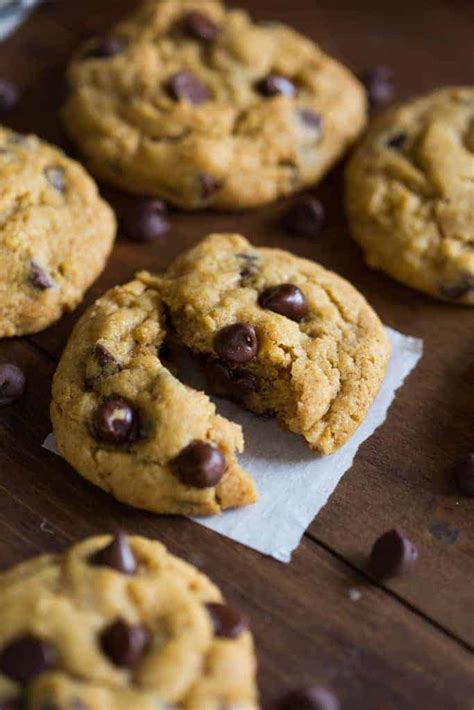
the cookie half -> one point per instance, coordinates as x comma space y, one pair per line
55, 233
124, 421
410, 194
280, 334
194, 103
120, 624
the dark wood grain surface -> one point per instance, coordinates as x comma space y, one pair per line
405, 645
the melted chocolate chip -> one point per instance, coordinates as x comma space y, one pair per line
209, 185
236, 343
225, 380
463, 472
397, 141
310, 118
249, 267
393, 554
9, 95
287, 300
103, 356
105, 47
228, 622
39, 278
125, 644
276, 85
115, 421
117, 555
56, 177
457, 290
26, 658
305, 218
12, 383
185, 86
310, 699
200, 465
378, 84
200, 26
145, 220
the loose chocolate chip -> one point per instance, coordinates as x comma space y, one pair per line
392, 555
227, 621
236, 343
397, 141
12, 383
457, 291
276, 85
39, 278
310, 118
200, 465
26, 658
310, 699
287, 300
185, 86
305, 218
105, 47
116, 421
200, 26
55, 175
145, 220
12, 704
209, 185
9, 95
103, 356
378, 84
118, 555
463, 472
125, 644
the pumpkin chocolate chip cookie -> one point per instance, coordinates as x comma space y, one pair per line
279, 334
120, 624
196, 104
410, 194
55, 233
124, 421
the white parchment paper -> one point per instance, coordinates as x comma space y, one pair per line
293, 482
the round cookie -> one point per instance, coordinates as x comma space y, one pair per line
410, 194
279, 334
124, 421
196, 104
119, 623
55, 233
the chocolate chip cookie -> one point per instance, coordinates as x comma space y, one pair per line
279, 334
123, 420
120, 624
196, 104
55, 233
410, 194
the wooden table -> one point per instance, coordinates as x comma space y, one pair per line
399, 646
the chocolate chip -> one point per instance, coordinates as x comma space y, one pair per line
26, 658
228, 622
458, 290
185, 86
209, 185
378, 84
39, 278
392, 555
9, 95
236, 343
145, 220
463, 472
103, 356
397, 141
116, 421
287, 300
276, 85
125, 644
117, 555
227, 381
311, 699
55, 175
305, 218
104, 47
200, 465
12, 704
200, 26
12, 383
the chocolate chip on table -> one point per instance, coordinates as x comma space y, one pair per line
305, 218
56, 177
209, 185
200, 26
116, 421
200, 465
276, 85
9, 95
39, 278
26, 658
379, 86
125, 644
316, 698
463, 471
12, 383
286, 299
310, 118
118, 555
397, 141
228, 622
145, 220
185, 86
236, 343
104, 47
393, 555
